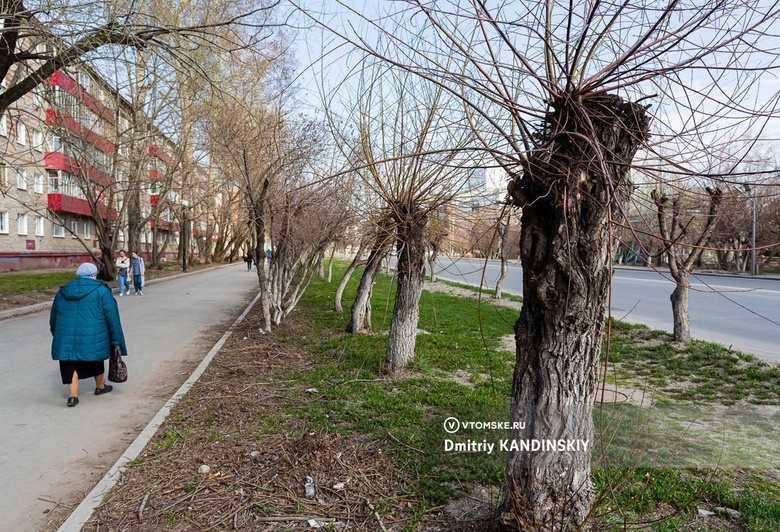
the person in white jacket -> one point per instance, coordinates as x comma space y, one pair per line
139, 270
123, 272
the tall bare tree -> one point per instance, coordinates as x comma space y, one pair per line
565, 90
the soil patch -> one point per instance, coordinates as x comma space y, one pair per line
230, 455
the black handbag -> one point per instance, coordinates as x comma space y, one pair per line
117, 369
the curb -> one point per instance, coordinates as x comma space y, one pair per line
40, 307
83, 512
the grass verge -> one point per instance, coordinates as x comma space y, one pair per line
17, 283
461, 371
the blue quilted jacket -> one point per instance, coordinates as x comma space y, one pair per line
85, 322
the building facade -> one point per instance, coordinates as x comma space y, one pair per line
66, 173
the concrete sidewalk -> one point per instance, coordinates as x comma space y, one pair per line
39, 307
53, 455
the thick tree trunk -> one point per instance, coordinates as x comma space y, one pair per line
566, 198
106, 265
344, 280
679, 298
411, 275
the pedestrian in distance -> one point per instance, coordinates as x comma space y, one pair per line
270, 255
139, 271
85, 327
249, 259
122, 272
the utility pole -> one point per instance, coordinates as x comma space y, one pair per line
753, 263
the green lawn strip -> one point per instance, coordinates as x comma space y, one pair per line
487, 293
459, 372
18, 283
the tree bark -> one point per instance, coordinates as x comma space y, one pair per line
566, 200
330, 263
361, 307
345, 279
679, 298
411, 275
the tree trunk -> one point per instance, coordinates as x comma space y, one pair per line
106, 265
411, 275
566, 198
344, 280
320, 265
361, 307
330, 263
679, 298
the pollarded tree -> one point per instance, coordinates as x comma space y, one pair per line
414, 163
565, 91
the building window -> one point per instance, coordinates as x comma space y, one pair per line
58, 230
74, 229
3, 175
4, 125
4, 222
87, 230
39, 223
55, 144
37, 136
21, 179
54, 181
21, 133
38, 183
21, 224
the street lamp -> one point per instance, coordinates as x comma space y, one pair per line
753, 264
184, 230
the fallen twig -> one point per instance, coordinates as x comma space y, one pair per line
143, 505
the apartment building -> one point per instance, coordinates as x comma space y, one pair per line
66, 174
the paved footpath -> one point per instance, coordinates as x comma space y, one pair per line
53, 455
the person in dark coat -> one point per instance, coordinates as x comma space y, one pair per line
85, 325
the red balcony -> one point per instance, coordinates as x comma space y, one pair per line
59, 161
164, 157
62, 203
55, 118
70, 86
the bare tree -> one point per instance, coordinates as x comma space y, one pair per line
409, 159
683, 242
565, 89
503, 251
41, 37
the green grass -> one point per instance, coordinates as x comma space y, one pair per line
700, 371
458, 371
17, 283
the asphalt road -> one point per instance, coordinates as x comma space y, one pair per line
53, 455
738, 311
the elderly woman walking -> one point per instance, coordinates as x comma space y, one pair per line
84, 323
